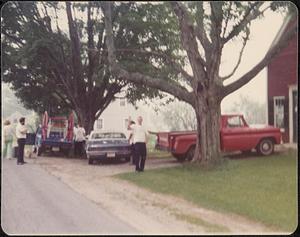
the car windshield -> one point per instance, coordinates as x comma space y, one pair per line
107, 135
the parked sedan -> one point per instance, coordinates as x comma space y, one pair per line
107, 145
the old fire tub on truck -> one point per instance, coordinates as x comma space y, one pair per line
235, 135
56, 134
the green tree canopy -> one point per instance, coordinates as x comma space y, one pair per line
65, 68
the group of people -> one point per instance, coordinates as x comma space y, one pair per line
138, 139
8, 135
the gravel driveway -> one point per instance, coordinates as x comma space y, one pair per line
148, 212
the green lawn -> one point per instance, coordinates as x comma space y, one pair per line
262, 188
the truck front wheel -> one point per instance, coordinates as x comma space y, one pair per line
265, 147
190, 153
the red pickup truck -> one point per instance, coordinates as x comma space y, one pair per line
235, 135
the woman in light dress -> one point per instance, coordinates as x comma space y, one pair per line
8, 134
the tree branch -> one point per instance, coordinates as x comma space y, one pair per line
91, 57
282, 43
199, 29
216, 20
227, 19
188, 38
169, 87
14, 38
176, 66
248, 17
75, 46
213, 61
239, 59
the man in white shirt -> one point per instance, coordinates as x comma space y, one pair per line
79, 140
139, 140
21, 131
131, 141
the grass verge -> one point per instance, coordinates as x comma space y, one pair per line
261, 188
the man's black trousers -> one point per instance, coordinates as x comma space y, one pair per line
21, 145
140, 155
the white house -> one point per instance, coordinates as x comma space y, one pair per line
115, 116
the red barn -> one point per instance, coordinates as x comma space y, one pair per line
282, 88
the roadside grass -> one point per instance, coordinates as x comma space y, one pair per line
263, 189
199, 221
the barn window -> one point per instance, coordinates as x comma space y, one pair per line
279, 111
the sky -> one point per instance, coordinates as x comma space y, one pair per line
263, 31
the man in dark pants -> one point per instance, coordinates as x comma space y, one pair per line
141, 152
132, 145
139, 139
79, 140
21, 131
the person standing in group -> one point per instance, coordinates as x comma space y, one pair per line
140, 140
21, 131
80, 139
74, 139
131, 141
8, 140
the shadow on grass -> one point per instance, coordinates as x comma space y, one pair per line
249, 155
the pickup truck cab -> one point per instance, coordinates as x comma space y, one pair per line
235, 135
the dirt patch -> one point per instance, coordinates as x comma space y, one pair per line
148, 212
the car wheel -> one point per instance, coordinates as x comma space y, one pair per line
265, 147
190, 153
91, 161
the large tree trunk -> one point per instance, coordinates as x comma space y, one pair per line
86, 119
208, 113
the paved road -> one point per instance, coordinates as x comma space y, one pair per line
34, 202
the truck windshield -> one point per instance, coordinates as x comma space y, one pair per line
234, 122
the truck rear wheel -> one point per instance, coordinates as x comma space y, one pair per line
265, 147
190, 153
179, 158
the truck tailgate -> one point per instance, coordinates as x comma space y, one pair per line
162, 141
165, 140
